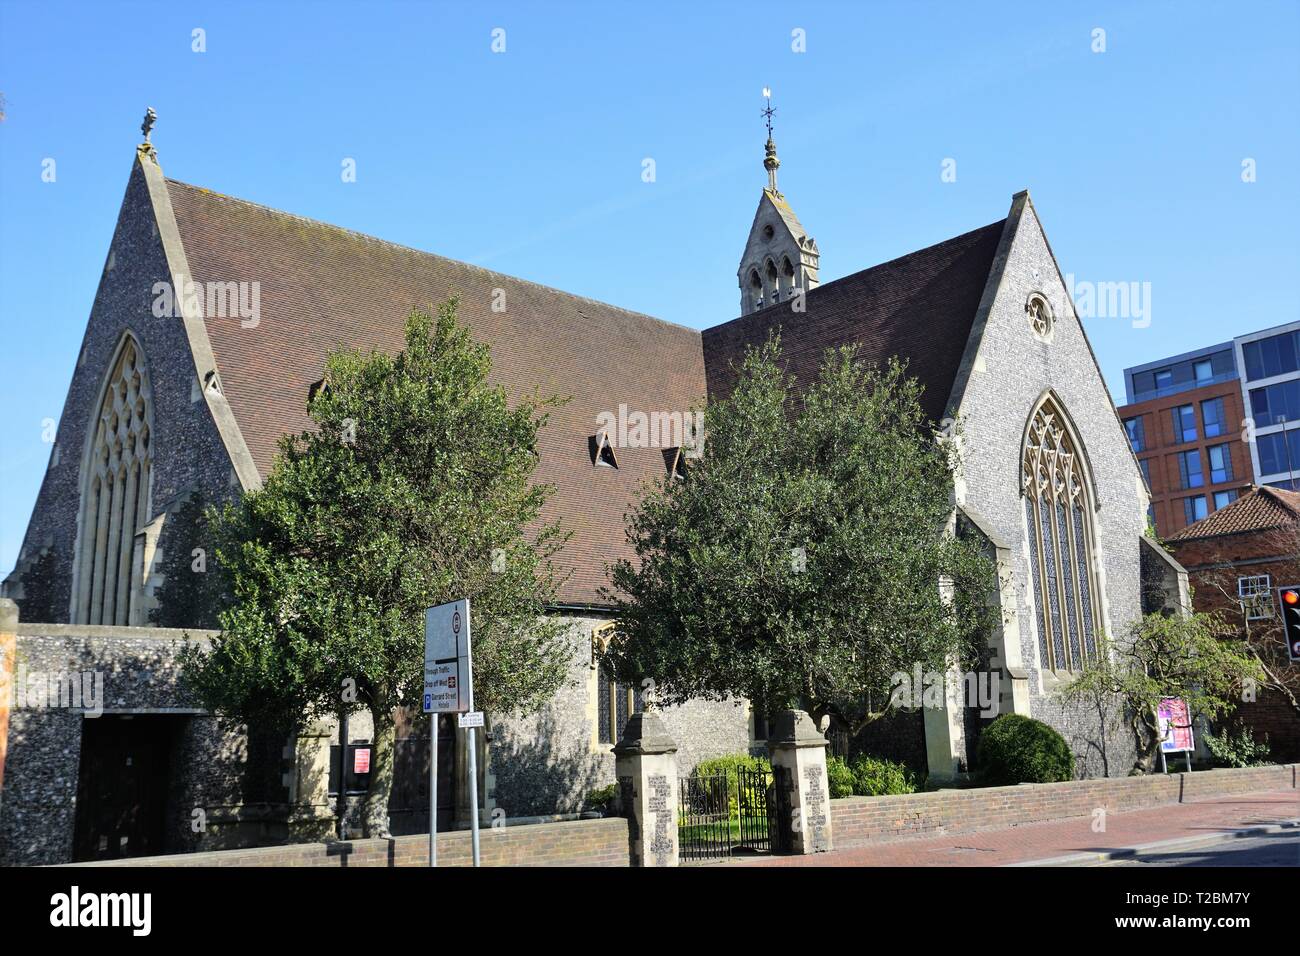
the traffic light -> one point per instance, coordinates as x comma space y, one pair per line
1289, 601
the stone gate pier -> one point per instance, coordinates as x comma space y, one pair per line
799, 748
647, 781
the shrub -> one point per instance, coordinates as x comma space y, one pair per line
730, 765
1018, 749
874, 777
604, 799
840, 777
1239, 750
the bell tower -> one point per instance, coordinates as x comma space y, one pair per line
780, 258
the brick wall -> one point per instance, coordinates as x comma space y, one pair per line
575, 843
859, 820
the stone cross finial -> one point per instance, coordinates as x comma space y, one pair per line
150, 117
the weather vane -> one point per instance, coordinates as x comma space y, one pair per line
767, 113
150, 117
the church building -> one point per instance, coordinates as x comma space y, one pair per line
209, 329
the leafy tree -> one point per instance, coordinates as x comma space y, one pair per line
806, 556
413, 491
1166, 656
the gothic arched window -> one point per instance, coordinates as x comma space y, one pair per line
115, 493
1058, 518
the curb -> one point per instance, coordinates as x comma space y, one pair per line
1163, 846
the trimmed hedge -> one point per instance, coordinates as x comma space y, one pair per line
1018, 749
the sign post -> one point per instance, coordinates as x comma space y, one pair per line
449, 689
1175, 722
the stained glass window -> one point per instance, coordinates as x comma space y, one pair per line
1058, 519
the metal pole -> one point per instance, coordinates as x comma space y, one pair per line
343, 776
473, 783
433, 789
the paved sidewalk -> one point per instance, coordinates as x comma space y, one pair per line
1065, 838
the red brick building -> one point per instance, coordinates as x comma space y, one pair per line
1236, 560
1188, 444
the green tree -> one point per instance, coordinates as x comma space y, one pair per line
807, 556
414, 490
1194, 657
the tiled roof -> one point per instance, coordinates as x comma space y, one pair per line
1260, 509
919, 307
323, 288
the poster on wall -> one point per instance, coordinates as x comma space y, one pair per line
1175, 725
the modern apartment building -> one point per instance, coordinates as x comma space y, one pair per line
1208, 423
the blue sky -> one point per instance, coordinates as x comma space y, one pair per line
529, 161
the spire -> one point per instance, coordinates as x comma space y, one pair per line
770, 162
780, 260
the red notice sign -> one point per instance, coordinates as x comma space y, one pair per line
361, 760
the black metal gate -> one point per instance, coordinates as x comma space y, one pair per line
718, 818
704, 818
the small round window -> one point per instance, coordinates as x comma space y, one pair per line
1040, 314
768, 232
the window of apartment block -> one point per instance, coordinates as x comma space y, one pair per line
1136, 433
1194, 508
1279, 451
1189, 469
1184, 423
1224, 498
1145, 465
1164, 378
1256, 596
1276, 404
1204, 371
1220, 464
1275, 355
1212, 417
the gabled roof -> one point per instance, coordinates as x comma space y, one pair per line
323, 288
919, 307
1260, 509
784, 210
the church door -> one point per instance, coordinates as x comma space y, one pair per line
123, 785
